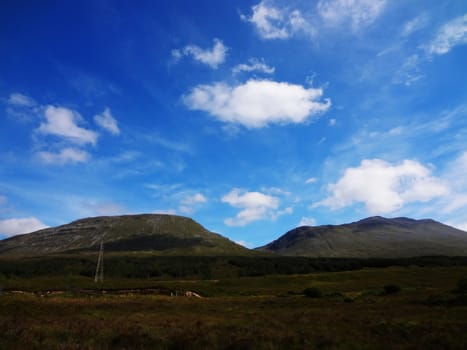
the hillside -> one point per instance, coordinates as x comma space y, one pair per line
162, 234
372, 237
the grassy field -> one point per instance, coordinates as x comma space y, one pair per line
424, 309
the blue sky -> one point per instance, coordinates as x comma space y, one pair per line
252, 117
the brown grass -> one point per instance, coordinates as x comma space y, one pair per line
353, 314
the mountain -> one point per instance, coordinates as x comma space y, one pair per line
162, 234
372, 237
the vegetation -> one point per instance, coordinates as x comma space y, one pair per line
391, 289
313, 292
146, 266
157, 233
262, 312
372, 237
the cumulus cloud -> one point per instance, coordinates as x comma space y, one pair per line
275, 23
384, 187
63, 122
253, 65
212, 57
188, 203
66, 155
258, 103
12, 227
20, 100
107, 122
451, 34
254, 206
358, 13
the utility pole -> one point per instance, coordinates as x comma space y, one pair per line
99, 277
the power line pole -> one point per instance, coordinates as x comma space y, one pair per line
99, 276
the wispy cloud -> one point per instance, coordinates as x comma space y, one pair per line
169, 144
410, 71
64, 156
253, 65
358, 13
189, 203
107, 122
17, 99
307, 221
212, 57
257, 103
415, 24
93, 207
277, 23
451, 34
311, 180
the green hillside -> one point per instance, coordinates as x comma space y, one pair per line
372, 237
155, 233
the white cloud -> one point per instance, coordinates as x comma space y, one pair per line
274, 23
101, 208
258, 103
253, 65
358, 13
107, 122
461, 225
456, 171
383, 187
188, 203
20, 100
311, 180
307, 222
415, 24
332, 122
212, 57
269, 21
167, 143
456, 202
66, 155
254, 206
194, 199
63, 122
286, 211
12, 227
410, 72
451, 34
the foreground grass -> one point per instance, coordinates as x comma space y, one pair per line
250, 313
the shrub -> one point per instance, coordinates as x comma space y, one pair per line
391, 289
462, 285
313, 292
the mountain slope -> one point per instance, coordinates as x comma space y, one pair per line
168, 234
372, 237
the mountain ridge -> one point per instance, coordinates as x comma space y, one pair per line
164, 234
374, 236
157, 233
